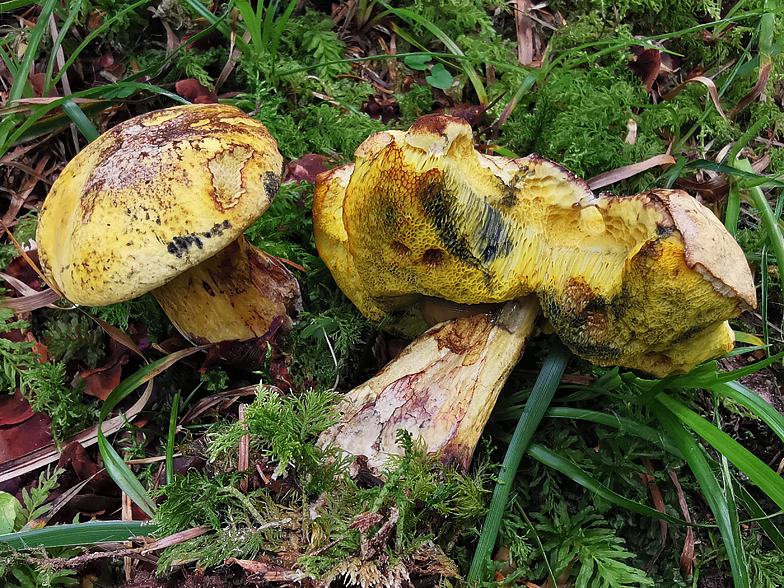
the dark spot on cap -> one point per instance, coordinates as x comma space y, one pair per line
271, 185
180, 245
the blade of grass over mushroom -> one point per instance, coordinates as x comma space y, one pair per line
538, 403
577, 474
86, 533
759, 473
711, 489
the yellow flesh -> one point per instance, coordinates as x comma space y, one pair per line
423, 213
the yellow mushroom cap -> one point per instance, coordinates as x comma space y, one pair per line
153, 197
644, 281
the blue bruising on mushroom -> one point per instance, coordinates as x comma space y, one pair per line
471, 230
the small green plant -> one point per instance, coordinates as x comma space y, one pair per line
581, 547
16, 357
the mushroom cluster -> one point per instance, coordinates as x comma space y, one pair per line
645, 281
159, 203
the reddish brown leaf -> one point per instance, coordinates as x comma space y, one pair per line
658, 501
647, 66
306, 168
14, 409
195, 92
24, 437
707, 82
762, 81
75, 455
687, 555
101, 381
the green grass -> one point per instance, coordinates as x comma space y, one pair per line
566, 496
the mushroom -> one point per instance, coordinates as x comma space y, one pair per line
159, 203
645, 281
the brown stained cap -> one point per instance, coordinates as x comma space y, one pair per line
708, 248
153, 197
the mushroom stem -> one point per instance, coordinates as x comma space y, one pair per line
441, 388
235, 294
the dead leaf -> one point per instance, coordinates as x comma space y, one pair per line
707, 82
193, 91
647, 66
687, 555
762, 81
306, 168
628, 171
14, 409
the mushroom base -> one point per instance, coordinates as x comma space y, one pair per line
235, 294
441, 388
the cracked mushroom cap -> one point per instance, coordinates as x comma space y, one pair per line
645, 281
153, 197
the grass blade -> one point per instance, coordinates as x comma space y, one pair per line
566, 467
78, 534
762, 518
625, 425
476, 81
80, 120
115, 466
122, 475
769, 221
535, 408
170, 438
711, 489
751, 400
759, 473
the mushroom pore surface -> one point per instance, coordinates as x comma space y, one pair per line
645, 281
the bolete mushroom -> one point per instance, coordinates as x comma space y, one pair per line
159, 203
645, 281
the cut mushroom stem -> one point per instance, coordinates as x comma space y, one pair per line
236, 294
441, 388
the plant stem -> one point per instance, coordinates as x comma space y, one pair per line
537, 405
769, 221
